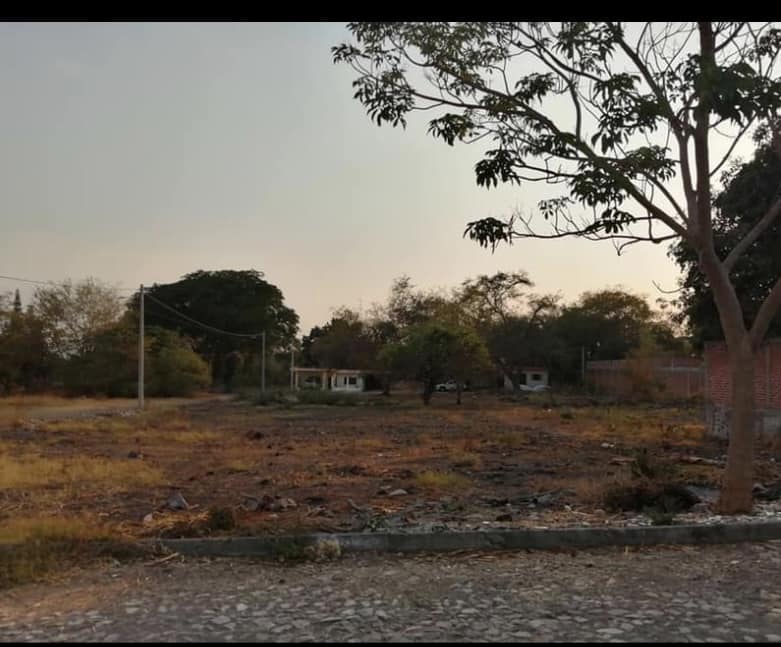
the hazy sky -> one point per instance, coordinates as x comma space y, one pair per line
139, 152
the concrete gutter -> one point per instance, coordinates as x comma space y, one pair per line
526, 539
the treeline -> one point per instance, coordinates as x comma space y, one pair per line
487, 328
203, 331
82, 338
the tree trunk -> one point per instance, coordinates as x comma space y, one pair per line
428, 389
736, 490
386, 385
458, 393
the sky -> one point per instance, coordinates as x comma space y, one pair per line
138, 152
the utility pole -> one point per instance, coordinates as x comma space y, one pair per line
141, 349
263, 362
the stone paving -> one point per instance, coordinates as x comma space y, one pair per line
702, 594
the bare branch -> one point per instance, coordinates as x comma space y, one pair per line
731, 148
763, 223
649, 79
731, 37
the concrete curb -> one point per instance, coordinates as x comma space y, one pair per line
299, 545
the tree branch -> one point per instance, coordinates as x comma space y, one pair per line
731, 148
767, 311
770, 215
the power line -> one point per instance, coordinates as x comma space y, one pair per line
200, 323
16, 278
148, 296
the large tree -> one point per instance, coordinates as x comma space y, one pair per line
345, 342
71, 313
432, 352
623, 118
25, 358
510, 320
226, 301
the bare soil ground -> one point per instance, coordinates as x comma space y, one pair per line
386, 463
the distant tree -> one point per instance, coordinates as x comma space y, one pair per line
109, 366
524, 340
608, 324
432, 352
239, 301
307, 342
25, 360
488, 299
408, 306
71, 313
17, 302
345, 343
507, 317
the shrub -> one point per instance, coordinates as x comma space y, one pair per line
176, 369
110, 365
644, 466
646, 495
221, 519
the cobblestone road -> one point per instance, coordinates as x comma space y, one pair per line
714, 594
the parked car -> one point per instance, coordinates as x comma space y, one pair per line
450, 385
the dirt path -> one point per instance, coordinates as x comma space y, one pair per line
61, 409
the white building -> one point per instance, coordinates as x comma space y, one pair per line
530, 376
329, 379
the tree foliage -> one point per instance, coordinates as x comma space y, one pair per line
344, 342
227, 300
71, 313
433, 352
109, 366
26, 362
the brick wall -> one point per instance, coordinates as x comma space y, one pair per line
681, 377
767, 375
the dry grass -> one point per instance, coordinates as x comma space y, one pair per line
325, 457
19, 530
462, 458
510, 439
442, 480
179, 431
371, 444
241, 464
32, 547
30, 471
195, 436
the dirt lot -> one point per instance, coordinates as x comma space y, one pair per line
385, 463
